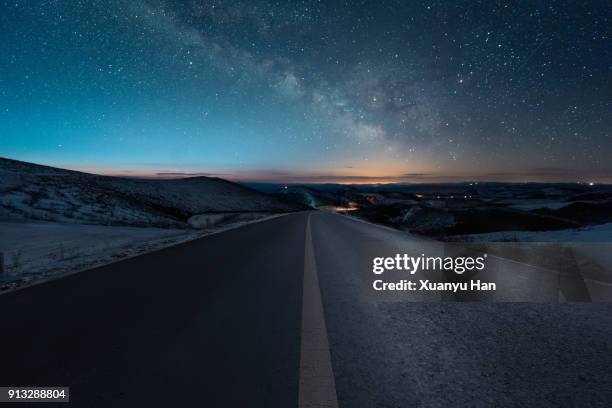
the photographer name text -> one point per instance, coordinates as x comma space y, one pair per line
413, 264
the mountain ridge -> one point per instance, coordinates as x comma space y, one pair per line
41, 192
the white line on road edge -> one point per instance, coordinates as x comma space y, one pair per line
317, 385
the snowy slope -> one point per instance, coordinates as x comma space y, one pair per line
35, 250
32, 251
30, 191
596, 233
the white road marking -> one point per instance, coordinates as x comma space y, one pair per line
317, 384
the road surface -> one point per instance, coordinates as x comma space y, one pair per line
255, 316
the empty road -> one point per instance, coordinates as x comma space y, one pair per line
267, 314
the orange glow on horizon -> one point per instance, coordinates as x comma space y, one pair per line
343, 176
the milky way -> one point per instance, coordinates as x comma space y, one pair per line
309, 90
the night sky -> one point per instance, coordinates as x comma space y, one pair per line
310, 91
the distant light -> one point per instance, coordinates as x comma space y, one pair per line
591, 184
351, 207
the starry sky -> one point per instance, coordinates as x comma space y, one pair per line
310, 91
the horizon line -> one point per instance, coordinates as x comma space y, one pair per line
536, 175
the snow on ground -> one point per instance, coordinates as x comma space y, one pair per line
35, 251
597, 233
30, 191
590, 249
212, 220
55, 221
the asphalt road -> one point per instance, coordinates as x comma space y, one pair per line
217, 322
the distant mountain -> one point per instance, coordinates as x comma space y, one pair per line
449, 209
38, 192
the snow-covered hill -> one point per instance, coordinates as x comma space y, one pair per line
31, 191
592, 233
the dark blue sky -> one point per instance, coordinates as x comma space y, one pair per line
310, 90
